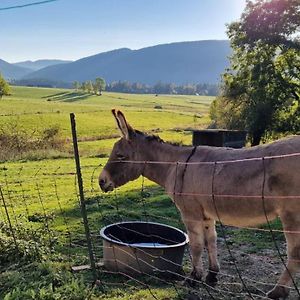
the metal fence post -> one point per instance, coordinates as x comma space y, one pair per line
8, 219
81, 194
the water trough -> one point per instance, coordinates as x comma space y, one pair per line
143, 248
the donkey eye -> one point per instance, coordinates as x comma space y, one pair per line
121, 156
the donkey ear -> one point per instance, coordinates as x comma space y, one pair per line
124, 127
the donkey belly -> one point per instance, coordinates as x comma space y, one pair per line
240, 212
229, 211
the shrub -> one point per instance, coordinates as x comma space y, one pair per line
4, 87
17, 143
26, 246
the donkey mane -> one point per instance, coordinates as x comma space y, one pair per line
156, 138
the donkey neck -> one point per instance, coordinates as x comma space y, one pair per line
160, 160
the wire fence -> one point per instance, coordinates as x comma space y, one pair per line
53, 210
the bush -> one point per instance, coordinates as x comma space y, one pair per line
31, 270
225, 115
4, 87
26, 246
17, 143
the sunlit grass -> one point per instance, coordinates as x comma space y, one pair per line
40, 191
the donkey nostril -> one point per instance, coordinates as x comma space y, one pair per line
102, 182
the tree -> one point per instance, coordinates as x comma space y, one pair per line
83, 86
272, 22
76, 85
4, 87
89, 87
261, 89
95, 88
99, 85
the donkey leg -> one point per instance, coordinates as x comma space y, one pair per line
196, 237
210, 236
281, 289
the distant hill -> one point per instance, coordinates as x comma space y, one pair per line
185, 62
40, 64
10, 71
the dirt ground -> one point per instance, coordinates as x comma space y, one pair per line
243, 272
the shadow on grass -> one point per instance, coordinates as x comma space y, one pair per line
67, 96
151, 205
54, 95
257, 240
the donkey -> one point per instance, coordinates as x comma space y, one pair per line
238, 187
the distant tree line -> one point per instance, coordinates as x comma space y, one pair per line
163, 88
98, 85
40, 82
92, 87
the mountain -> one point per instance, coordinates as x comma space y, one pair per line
10, 71
40, 64
184, 62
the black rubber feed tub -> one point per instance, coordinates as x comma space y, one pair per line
143, 248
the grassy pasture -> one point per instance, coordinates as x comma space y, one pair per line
41, 193
31, 107
32, 110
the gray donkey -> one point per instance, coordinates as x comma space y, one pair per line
239, 187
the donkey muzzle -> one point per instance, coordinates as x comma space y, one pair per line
105, 183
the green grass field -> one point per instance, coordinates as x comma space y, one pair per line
41, 195
37, 108
32, 110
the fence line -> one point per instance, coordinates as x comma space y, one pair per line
81, 245
267, 284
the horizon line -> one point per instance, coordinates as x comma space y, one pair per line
106, 51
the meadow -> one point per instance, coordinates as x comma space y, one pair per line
29, 110
41, 195
33, 110
40, 192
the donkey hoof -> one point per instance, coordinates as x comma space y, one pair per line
279, 292
193, 279
211, 279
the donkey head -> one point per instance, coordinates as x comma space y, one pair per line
120, 167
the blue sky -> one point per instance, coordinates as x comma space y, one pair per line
71, 29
